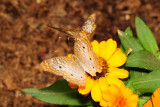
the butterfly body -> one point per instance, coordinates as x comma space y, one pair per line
84, 60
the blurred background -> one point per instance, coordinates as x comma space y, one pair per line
25, 40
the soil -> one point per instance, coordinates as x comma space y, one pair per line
25, 40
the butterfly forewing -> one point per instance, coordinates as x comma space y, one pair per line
70, 69
89, 25
84, 52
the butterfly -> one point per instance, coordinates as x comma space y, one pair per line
84, 60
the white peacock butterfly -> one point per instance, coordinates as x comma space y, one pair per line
83, 60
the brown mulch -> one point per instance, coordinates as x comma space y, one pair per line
25, 40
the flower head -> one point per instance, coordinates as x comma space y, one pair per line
110, 57
117, 96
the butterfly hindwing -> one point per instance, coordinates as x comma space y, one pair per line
66, 67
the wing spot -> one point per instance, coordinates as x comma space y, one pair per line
83, 47
90, 58
81, 76
60, 67
71, 74
93, 67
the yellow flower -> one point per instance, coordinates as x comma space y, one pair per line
154, 101
97, 86
118, 96
110, 58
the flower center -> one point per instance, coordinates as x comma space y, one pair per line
120, 102
103, 63
104, 66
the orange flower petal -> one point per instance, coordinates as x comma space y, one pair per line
117, 59
104, 103
148, 104
110, 48
113, 80
156, 98
103, 83
106, 48
133, 98
72, 85
95, 46
107, 96
132, 104
96, 92
119, 73
114, 90
102, 51
126, 91
154, 101
89, 84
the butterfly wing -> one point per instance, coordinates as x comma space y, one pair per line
66, 67
89, 25
84, 52
82, 47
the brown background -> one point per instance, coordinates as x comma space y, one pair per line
25, 40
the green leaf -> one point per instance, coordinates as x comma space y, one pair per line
130, 86
122, 49
148, 83
128, 41
137, 74
95, 104
143, 59
158, 55
142, 100
129, 32
145, 36
59, 93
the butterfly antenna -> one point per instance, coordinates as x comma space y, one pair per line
71, 33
